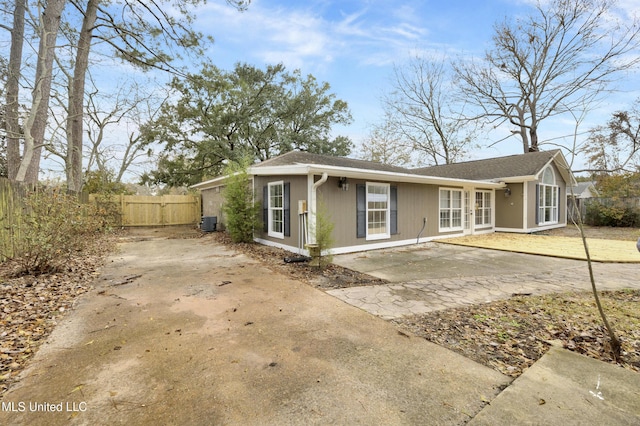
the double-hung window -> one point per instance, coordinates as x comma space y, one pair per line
276, 210
548, 197
483, 208
450, 209
378, 212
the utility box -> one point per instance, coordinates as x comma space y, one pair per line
209, 223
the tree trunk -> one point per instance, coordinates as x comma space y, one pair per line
76, 100
13, 90
37, 120
533, 133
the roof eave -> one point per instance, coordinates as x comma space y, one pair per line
211, 183
356, 173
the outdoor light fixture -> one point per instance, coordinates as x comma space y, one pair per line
342, 183
507, 192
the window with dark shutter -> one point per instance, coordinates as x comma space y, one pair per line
287, 209
265, 208
394, 210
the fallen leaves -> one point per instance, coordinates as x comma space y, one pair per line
329, 277
511, 335
31, 306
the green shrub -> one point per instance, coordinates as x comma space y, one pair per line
52, 227
324, 233
240, 209
616, 214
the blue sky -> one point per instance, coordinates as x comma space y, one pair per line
354, 44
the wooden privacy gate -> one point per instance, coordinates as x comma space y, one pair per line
148, 210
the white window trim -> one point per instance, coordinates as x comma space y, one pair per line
451, 209
270, 231
480, 212
387, 233
542, 207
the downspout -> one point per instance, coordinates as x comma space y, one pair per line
312, 208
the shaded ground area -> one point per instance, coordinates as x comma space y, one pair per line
189, 331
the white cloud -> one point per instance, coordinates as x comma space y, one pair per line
305, 37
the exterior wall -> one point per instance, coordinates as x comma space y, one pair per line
298, 188
415, 202
509, 210
212, 201
531, 205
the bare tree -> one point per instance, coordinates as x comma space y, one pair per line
147, 34
383, 146
578, 221
25, 167
129, 109
615, 147
423, 109
562, 56
77, 95
12, 89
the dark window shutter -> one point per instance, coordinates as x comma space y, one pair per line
287, 209
361, 211
394, 210
265, 208
537, 204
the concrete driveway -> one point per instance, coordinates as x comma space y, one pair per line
189, 332
434, 276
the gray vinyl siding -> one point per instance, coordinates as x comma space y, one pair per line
509, 210
532, 203
298, 191
415, 202
212, 202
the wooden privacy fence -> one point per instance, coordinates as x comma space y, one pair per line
148, 210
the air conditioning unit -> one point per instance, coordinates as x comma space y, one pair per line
209, 223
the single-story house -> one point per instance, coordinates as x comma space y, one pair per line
577, 196
584, 190
376, 206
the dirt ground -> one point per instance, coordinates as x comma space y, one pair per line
189, 331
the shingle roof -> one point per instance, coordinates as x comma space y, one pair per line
299, 157
492, 168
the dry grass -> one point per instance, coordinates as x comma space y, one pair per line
616, 250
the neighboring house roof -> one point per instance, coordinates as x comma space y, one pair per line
528, 164
584, 190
